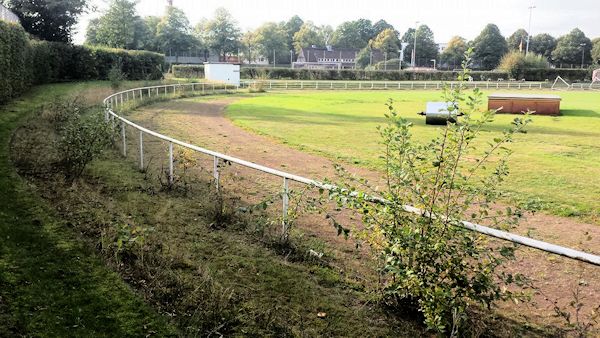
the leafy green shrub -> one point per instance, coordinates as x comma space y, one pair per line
116, 77
429, 258
81, 139
515, 63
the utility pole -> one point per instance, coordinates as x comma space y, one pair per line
385, 61
414, 51
529, 30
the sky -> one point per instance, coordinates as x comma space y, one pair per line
446, 18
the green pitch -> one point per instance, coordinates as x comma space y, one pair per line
557, 161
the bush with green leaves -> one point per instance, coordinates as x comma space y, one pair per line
429, 259
515, 63
81, 138
116, 77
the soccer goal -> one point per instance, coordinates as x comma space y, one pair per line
560, 85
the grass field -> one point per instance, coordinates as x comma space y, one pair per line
557, 161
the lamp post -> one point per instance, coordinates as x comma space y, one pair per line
434, 61
291, 58
582, 45
403, 45
413, 62
529, 30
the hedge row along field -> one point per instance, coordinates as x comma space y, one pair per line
25, 62
572, 75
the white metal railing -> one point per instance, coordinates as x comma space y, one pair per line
119, 99
404, 85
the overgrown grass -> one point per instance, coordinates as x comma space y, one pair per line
556, 162
51, 284
204, 280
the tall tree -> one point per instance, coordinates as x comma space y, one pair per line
363, 59
353, 34
117, 27
543, 44
489, 47
427, 49
51, 20
173, 32
454, 52
223, 33
271, 40
91, 32
249, 48
308, 35
572, 47
292, 26
387, 41
596, 51
518, 40
380, 26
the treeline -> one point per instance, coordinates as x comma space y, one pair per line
573, 75
280, 42
25, 62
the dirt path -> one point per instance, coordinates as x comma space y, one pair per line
203, 124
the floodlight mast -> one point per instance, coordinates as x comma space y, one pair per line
414, 51
531, 8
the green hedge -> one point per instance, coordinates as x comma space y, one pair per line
188, 71
350, 74
14, 57
25, 62
571, 75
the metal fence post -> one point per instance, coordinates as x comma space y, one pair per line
216, 171
286, 202
141, 150
124, 139
170, 162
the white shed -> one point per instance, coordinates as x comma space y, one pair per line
222, 72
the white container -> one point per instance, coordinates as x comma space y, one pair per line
228, 73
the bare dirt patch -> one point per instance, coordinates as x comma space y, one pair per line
204, 124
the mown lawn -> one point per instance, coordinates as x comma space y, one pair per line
51, 285
557, 161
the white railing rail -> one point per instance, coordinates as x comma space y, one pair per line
119, 99
406, 85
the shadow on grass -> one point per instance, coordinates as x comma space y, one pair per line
580, 113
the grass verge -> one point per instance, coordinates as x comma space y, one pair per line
50, 283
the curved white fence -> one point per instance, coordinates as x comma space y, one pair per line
117, 100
